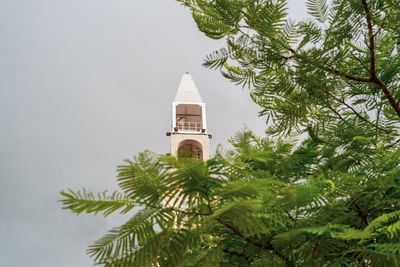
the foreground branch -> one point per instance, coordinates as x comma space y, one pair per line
354, 111
374, 78
266, 247
361, 214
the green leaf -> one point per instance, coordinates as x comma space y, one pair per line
83, 201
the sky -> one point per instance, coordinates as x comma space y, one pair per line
85, 84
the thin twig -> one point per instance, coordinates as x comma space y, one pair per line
361, 213
265, 247
291, 217
381, 26
331, 70
392, 145
360, 61
337, 113
350, 107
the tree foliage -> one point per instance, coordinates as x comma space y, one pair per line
329, 199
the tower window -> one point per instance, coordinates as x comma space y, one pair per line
189, 117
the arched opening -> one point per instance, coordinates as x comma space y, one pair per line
190, 149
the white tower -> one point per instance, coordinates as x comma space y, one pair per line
189, 129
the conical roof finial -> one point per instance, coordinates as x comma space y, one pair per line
187, 90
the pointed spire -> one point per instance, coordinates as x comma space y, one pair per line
187, 90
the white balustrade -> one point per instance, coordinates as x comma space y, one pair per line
189, 126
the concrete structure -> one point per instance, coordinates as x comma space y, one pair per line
189, 135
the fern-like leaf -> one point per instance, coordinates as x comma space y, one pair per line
83, 201
319, 9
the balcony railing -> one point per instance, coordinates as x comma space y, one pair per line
189, 126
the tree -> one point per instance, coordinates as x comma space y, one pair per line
331, 198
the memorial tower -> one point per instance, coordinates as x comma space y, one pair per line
188, 134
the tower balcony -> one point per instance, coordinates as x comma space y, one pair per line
189, 127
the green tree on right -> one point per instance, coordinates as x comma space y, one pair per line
335, 78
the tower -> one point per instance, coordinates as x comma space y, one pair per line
189, 135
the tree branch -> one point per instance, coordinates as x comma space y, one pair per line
360, 61
265, 247
345, 75
315, 249
350, 107
392, 145
290, 216
337, 113
331, 70
371, 38
381, 26
375, 79
326, 68
388, 95
361, 213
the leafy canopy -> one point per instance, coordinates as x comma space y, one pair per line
330, 199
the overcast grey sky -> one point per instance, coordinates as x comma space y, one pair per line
83, 85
